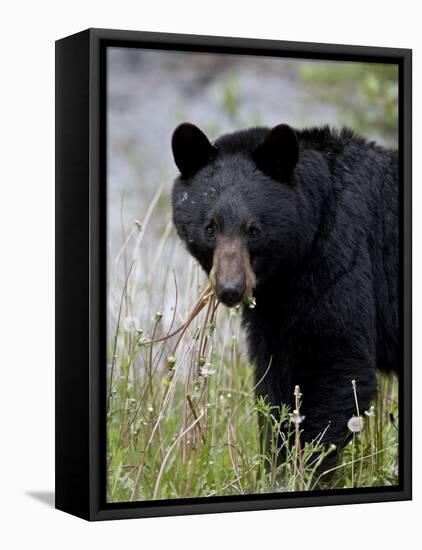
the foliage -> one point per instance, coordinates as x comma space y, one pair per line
366, 95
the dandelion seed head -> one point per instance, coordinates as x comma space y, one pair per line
355, 424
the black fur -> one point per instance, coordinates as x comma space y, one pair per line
325, 258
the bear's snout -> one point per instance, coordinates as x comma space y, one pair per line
231, 292
231, 275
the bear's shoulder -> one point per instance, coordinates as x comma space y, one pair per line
328, 139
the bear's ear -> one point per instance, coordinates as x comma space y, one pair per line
191, 149
278, 154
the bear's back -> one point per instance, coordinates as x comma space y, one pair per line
365, 225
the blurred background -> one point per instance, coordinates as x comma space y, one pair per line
150, 92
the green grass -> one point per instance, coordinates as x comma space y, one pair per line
182, 413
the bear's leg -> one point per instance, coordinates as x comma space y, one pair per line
329, 402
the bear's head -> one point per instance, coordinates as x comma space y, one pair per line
238, 206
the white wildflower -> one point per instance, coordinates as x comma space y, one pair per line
296, 417
371, 411
207, 371
251, 301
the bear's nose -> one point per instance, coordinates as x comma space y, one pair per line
230, 293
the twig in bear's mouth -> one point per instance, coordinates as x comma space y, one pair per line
202, 301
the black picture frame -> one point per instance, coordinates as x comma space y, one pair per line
81, 259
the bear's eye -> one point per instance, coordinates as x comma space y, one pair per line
253, 231
210, 229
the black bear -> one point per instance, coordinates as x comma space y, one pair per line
306, 222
